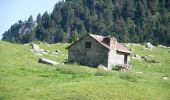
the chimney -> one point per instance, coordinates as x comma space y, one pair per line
113, 42
110, 41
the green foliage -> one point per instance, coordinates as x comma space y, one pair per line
129, 20
73, 38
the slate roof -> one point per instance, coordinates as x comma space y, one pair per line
119, 47
100, 39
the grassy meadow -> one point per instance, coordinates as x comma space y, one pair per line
23, 78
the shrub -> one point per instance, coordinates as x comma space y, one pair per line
116, 68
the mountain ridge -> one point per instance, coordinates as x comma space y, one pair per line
135, 21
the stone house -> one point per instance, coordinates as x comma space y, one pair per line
94, 50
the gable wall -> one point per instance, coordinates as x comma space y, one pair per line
116, 58
93, 56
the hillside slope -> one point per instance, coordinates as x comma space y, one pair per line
22, 77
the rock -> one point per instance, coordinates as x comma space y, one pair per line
144, 48
57, 51
36, 49
127, 44
151, 56
139, 72
144, 58
102, 67
132, 50
54, 53
48, 45
149, 45
38, 54
27, 44
47, 61
137, 57
35, 46
162, 46
165, 78
47, 51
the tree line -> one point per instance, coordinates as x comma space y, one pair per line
135, 21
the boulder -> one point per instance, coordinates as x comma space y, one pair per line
144, 58
137, 57
36, 49
47, 61
165, 78
102, 67
149, 45
162, 46
35, 46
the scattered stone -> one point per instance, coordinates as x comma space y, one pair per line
143, 49
144, 58
47, 51
27, 44
151, 56
35, 46
102, 67
36, 49
149, 45
57, 51
48, 45
47, 61
127, 44
162, 46
165, 78
139, 72
38, 54
132, 50
137, 57
54, 53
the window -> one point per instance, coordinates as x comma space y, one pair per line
87, 44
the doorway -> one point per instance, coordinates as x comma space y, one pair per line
125, 59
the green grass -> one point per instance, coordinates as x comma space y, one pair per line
22, 77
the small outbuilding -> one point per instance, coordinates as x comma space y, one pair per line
94, 50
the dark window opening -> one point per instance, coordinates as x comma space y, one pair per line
88, 45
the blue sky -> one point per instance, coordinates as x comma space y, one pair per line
13, 10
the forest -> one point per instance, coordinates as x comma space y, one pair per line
135, 21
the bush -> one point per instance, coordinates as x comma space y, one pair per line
116, 68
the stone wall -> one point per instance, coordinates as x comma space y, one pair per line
120, 58
112, 57
116, 58
93, 56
